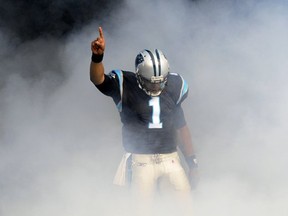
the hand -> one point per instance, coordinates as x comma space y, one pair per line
193, 177
98, 45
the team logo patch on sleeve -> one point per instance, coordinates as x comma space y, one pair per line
113, 75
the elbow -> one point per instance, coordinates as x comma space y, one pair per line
92, 80
97, 80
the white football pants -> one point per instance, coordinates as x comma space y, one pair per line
158, 172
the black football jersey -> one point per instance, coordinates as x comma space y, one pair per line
149, 123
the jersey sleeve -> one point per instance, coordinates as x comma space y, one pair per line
183, 91
179, 92
113, 86
178, 88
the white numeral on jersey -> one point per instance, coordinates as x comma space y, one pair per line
155, 103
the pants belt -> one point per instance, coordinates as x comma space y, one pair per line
153, 158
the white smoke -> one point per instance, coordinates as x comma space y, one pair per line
60, 140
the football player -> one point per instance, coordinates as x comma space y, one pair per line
149, 103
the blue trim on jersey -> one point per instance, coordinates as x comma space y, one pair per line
120, 77
184, 89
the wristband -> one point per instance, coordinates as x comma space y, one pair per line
97, 58
192, 161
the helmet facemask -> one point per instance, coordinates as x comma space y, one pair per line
153, 87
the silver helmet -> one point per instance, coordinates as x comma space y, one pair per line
152, 69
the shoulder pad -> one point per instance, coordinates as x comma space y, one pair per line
174, 74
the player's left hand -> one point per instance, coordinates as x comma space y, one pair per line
193, 177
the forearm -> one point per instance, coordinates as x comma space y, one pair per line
187, 147
186, 141
96, 72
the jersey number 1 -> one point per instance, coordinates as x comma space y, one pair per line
155, 103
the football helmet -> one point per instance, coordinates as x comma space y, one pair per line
152, 69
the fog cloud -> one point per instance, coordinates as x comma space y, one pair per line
60, 140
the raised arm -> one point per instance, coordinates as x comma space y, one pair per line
96, 65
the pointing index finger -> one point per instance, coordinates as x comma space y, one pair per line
101, 32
